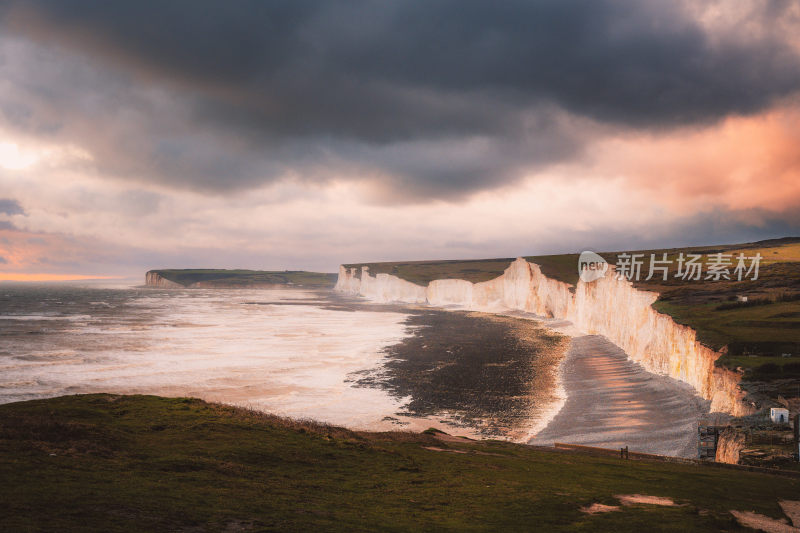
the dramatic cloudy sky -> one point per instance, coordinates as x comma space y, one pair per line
302, 134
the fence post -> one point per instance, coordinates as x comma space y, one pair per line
797, 435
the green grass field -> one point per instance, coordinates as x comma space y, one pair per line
754, 336
145, 463
423, 272
243, 278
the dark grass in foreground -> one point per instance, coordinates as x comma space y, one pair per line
110, 463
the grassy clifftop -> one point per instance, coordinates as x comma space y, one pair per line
423, 272
145, 463
244, 278
564, 267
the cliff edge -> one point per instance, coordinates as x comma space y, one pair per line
609, 307
154, 279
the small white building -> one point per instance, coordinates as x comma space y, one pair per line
740, 298
779, 415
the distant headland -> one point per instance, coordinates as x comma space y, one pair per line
207, 278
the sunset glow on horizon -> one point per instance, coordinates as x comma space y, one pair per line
7, 276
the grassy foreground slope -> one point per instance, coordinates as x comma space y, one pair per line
755, 334
146, 463
244, 278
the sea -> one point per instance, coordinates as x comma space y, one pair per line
291, 352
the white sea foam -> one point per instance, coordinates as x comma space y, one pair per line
293, 360
44, 316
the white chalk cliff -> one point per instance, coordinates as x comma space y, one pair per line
154, 279
609, 307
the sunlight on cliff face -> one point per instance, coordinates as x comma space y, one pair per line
609, 307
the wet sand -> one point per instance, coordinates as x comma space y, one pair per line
490, 375
485, 376
613, 402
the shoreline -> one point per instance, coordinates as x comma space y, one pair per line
612, 401
601, 397
479, 375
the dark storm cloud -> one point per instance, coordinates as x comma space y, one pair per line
715, 226
312, 86
731, 226
9, 206
722, 226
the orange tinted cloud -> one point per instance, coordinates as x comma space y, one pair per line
740, 163
37, 256
10, 276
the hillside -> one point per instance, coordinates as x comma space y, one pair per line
145, 463
217, 278
755, 334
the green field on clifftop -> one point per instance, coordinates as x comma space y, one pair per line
145, 463
244, 278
